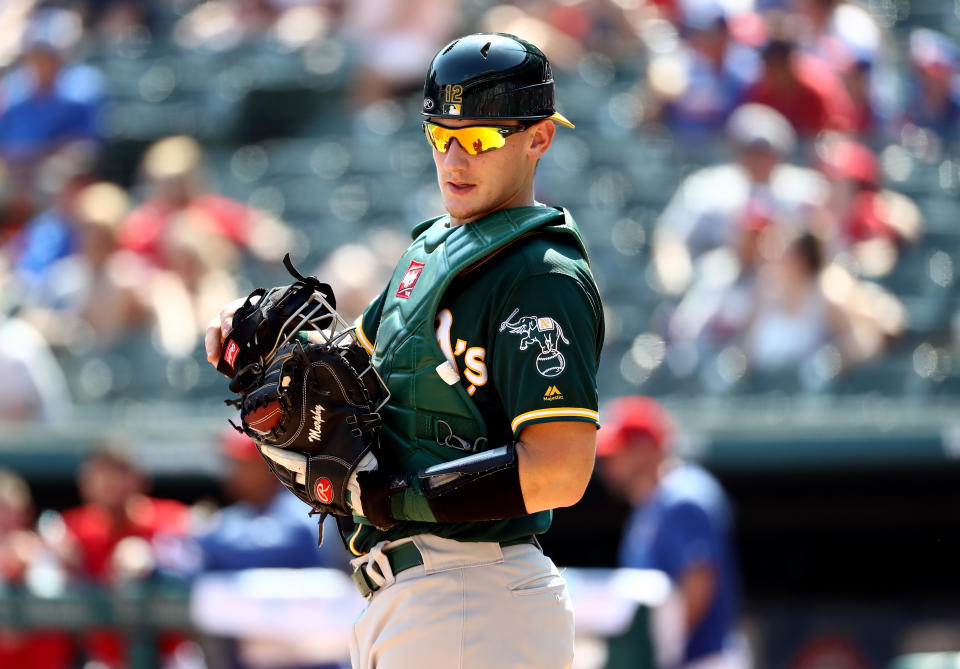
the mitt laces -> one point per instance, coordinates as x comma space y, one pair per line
316, 314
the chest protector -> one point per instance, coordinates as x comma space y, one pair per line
427, 420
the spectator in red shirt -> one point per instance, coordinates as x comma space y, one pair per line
20, 550
804, 89
848, 38
173, 171
853, 171
115, 507
110, 535
861, 217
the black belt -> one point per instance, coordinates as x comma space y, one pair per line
406, 556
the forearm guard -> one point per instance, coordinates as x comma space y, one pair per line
483, 486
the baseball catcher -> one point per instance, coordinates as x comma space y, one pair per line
488, 336
307, 392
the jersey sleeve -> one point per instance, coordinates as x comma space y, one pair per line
546, 349
368, 321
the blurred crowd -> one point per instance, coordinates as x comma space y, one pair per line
120, 533
774, 258
786, 118
767, 256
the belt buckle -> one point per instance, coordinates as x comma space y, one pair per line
360, 579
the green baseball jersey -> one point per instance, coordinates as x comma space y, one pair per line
523, 330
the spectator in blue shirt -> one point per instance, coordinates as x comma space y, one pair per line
933, 100
266, 526
49, 112
51, 235
717, 71
681, 525
48, 101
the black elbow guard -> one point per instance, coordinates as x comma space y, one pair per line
483, 486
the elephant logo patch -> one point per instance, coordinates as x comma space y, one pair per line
546, 333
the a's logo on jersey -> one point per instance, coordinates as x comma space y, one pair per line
553, 393
410, 279
546, 333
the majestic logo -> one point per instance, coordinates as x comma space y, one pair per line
323, 490
230, 355
410, 279
427, 104
316, 433
546, 333
553, 393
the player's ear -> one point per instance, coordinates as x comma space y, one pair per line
541, 136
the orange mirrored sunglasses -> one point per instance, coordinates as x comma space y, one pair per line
474, 139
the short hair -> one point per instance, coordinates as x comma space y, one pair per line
808, 247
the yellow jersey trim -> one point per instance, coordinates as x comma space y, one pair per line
555, 412
362, 338
354, 538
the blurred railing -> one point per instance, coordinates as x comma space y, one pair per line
319, 605
138, 611
620, 614
728, 433
134, 607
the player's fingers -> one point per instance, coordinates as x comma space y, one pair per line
212, 340
219, 328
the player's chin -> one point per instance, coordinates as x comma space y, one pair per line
460, 209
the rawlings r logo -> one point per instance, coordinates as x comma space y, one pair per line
323, 490
410, 279
231, 353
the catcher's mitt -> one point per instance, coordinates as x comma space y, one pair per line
314, 421
308, 394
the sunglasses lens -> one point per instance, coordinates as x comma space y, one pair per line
473, 139
437, 136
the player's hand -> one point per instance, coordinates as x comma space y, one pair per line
375, 495
219, 328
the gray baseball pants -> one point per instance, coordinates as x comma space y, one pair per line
469, 606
